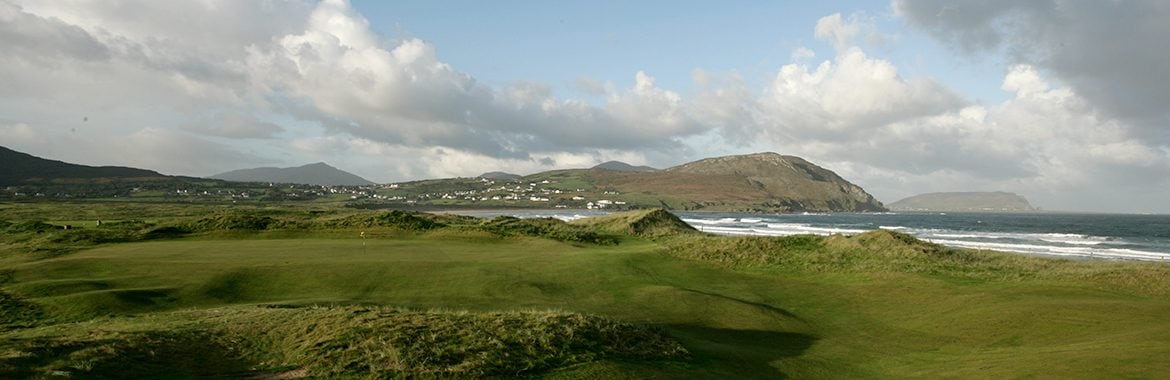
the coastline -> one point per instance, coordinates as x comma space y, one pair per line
1081, 237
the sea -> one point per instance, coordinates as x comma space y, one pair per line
1071, 235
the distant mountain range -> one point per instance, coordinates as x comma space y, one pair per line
21, 168
619, 166
313, 174
762, 182
964, 201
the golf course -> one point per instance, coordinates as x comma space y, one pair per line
312, 291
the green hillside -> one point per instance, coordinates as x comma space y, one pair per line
290, 292
20, 168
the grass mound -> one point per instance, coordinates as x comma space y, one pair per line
647, 223
154, 354
234, 220
352, 341
405, 220
34, 226
386, 342
550, 228
883, 251
878, 250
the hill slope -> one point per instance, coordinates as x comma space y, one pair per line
22, 167
500, 176
619, 166
964, 201
312, 174
766, 182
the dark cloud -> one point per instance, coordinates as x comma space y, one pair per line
1113, 53
44, 39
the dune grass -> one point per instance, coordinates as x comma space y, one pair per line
875, 305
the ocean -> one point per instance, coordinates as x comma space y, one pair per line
1099, 236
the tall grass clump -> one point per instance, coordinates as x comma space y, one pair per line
549, 228
404, 220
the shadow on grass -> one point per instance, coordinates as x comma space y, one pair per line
150, 355
740, 353
758, 305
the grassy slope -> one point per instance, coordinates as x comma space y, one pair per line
870, 306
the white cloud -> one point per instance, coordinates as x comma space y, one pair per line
357, 154
802, 54
843, 33
1024, 81
20, 135
835, 29
852, 93
401, 93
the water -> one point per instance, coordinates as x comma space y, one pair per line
1126, 237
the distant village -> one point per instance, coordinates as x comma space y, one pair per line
491, 193
478, 192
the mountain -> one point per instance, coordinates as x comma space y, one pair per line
312, 174
21, 168
500, 176
762, 182
619, 166
964, 201
790, 181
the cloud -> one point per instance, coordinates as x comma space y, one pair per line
835, 29
593, 87
235, 125
45, 40
842, 32
367, 158
1109, 52
1046, 141
852, 93
399, 92
209, 67
802, 53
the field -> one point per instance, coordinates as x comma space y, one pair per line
274, 292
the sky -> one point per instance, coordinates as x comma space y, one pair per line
1064, 102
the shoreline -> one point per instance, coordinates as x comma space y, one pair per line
1034, 240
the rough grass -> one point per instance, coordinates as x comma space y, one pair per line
331, 341
550, 228
46, 240
645, 223
875, 305
386, 342
883, 251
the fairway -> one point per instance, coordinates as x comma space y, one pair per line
758, 322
